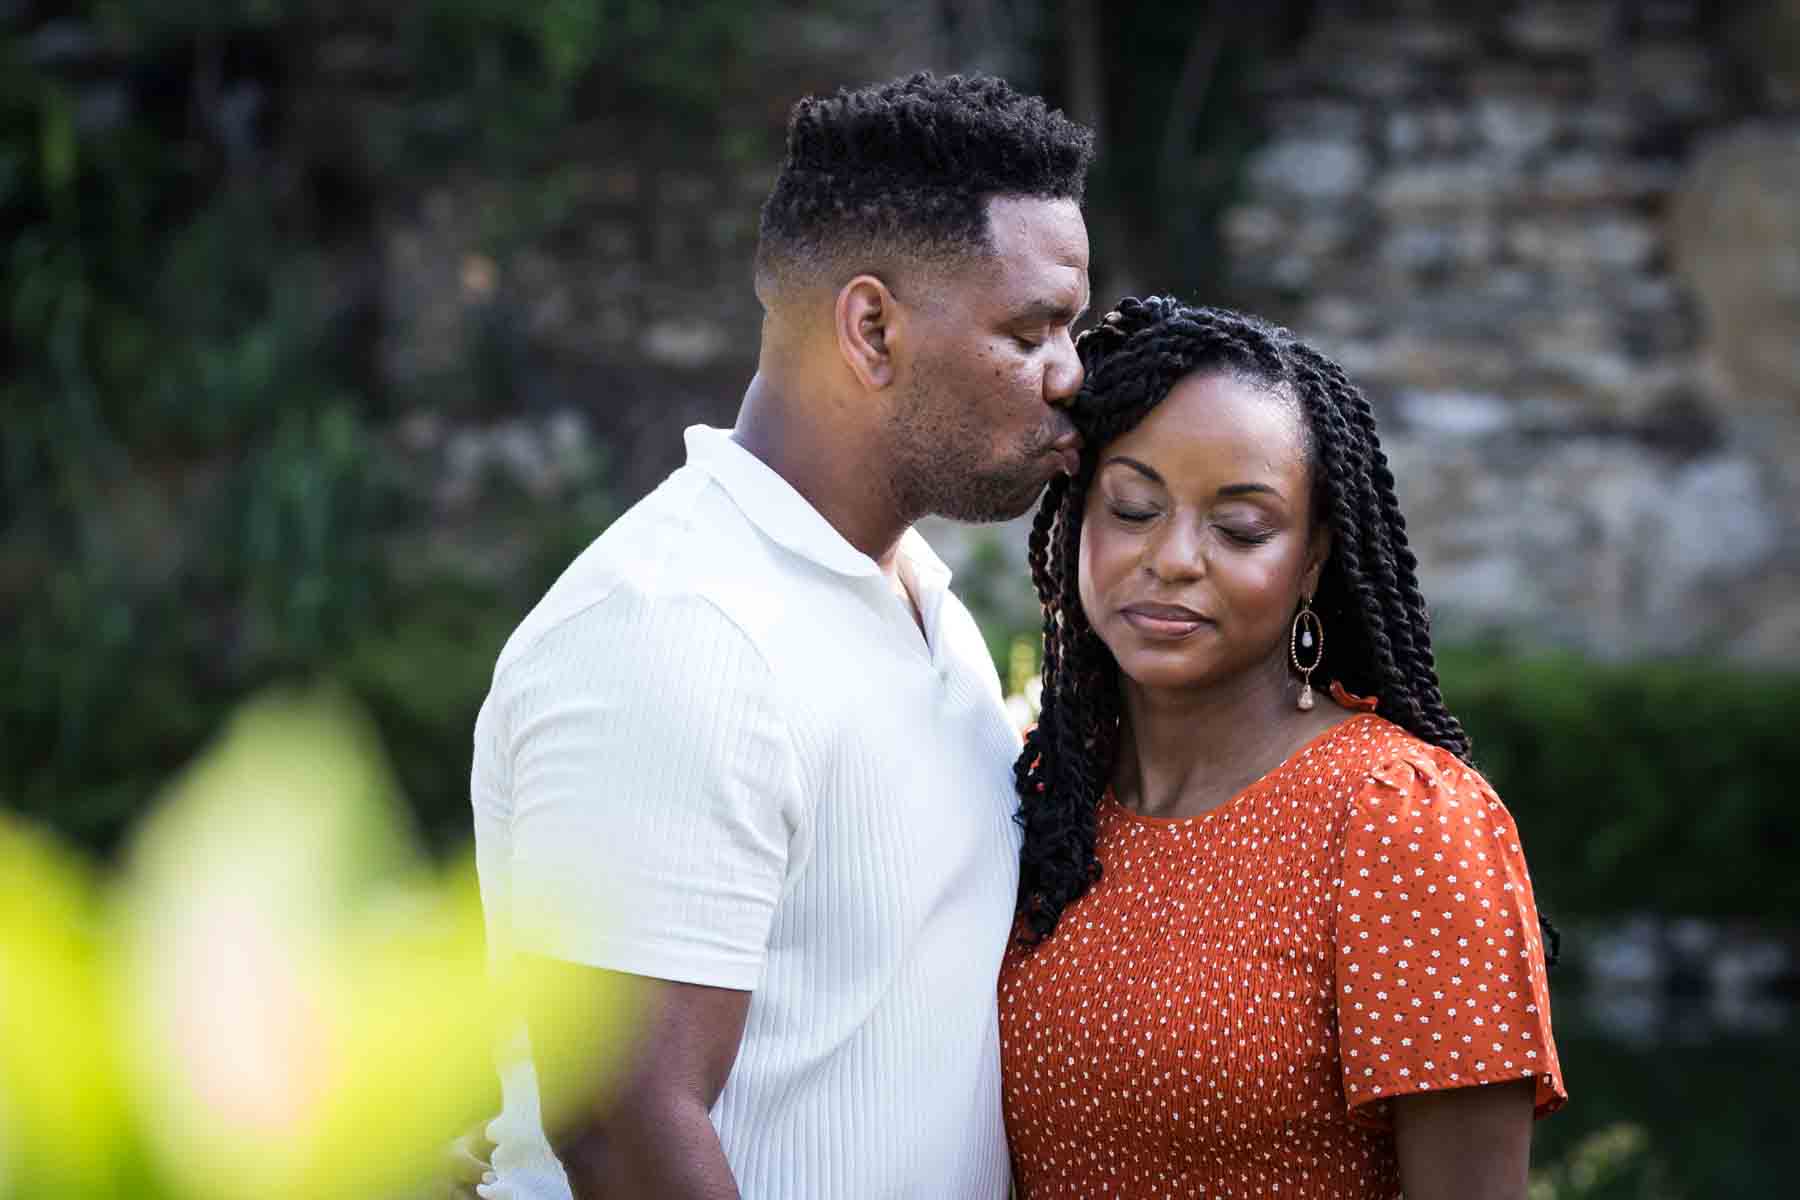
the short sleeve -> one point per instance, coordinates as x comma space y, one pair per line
1440, 963
655, 795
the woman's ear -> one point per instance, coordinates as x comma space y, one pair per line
1318, 553
868, 321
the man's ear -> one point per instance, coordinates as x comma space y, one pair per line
869, 324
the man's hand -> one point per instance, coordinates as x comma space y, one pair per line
661, 1141
467, 1162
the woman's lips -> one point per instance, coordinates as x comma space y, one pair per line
1163, 620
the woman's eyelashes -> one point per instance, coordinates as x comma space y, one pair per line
1242, 535
1246, 537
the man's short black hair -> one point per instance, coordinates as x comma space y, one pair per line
905, 169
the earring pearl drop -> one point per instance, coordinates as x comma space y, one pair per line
1308, 634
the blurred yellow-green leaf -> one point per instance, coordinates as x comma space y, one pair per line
64, 1128
278, 997
314, 1016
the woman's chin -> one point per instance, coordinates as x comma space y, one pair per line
1163, 671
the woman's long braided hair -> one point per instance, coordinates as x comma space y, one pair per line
1368, 593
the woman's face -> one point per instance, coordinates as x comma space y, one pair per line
1198, 540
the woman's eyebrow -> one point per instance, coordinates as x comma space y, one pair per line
1143, 469
1250, 489
1226, 492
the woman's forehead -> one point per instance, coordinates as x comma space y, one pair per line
1211, 419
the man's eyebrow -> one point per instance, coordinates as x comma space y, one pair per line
1144, 469
1055, 312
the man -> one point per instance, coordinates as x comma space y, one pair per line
749, 747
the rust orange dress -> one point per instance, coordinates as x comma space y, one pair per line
1228, 1012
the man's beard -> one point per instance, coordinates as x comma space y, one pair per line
937, 473
994, 494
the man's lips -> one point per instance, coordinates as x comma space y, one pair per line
1067, 449
1163, 620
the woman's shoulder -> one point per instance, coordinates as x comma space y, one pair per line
1408, 782
1380, 761
1384, 748
1404, 755
1366, 743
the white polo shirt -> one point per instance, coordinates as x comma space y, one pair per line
720, 751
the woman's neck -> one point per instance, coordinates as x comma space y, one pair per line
1182, 753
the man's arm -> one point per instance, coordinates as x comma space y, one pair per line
650, 1135
1469, 1143
654, 798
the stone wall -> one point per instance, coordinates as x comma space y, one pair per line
1557, 242
1559, 245
628, 305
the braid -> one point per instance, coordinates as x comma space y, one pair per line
1368, 590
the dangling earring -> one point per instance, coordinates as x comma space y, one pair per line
1309, 635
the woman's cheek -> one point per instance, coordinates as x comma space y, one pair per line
1095, 563
1102, 560
1266, 590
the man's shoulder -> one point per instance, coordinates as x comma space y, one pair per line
682, 555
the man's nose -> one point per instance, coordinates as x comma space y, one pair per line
1063, 375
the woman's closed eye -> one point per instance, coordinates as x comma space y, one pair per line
1246, 535
1132, 516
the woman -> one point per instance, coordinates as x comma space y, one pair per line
1276, 935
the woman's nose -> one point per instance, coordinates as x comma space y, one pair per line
1177, 552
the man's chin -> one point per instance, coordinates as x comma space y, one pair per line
991, 509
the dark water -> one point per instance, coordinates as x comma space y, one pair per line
1672, 1098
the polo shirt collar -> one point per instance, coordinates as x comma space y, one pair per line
785, 517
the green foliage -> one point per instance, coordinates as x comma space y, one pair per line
1179, 120
1597, 1164
198, 489
1633, 783
1678, 1117
353, 974
996, 587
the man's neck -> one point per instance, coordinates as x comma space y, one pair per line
833, 470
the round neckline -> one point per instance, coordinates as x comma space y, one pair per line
1108, 799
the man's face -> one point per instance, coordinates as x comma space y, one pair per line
979, 427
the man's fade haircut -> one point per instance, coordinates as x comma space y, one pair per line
903, 172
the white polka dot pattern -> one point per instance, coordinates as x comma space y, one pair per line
1229, 1010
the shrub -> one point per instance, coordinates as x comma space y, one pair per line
1660, 786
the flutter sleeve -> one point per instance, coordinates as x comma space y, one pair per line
1440, 964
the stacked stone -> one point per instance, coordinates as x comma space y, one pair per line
1472, 210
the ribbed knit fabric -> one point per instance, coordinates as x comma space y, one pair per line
720, 751
1230, 1010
